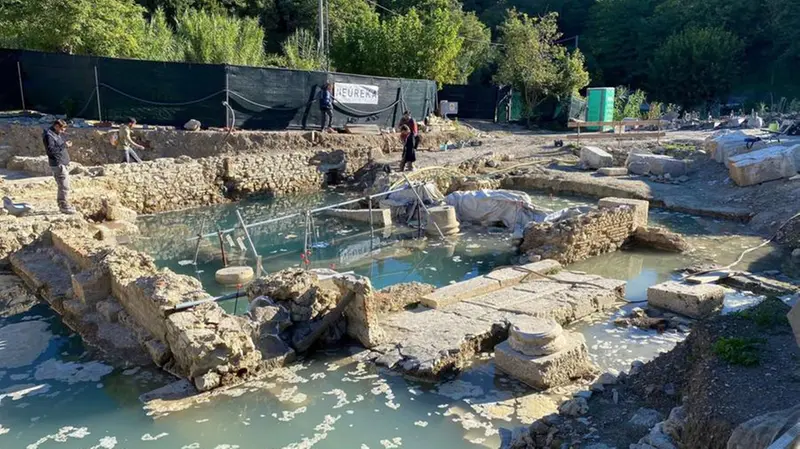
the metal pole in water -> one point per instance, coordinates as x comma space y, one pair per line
21, 91
97, 91
246, 233
222, 248
199, 240
305, 239
441, 234
371, 224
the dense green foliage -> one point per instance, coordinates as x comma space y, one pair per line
531, 62
739, 351
696, 66
690, 52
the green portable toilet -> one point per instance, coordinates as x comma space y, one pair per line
600, 106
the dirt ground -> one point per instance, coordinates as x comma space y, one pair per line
717, 395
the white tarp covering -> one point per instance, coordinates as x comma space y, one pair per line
514, 209
429, 194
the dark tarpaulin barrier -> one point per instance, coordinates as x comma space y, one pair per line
59, 84
164, 93
475, 102
161, 93
10, 99
274, 98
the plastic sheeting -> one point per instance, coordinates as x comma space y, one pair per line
514, 209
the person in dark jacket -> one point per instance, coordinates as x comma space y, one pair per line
326, 106
56, 147
409, 121
409, 152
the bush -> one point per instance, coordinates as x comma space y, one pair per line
300, 51
739, 351
160, 43
215, 38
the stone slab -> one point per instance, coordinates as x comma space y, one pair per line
764, 165
612, 171
508, 276
547, 266
460, 291
656, 164
427, 343
547, 371
730, 144
694, 301
641, 208
594, 157
380, 217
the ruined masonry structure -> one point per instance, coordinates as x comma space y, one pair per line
539, 353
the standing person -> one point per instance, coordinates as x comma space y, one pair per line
409, 152
56, 147
326, 106
126, 143
409, 121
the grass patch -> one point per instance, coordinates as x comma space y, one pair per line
739, 351
767, 315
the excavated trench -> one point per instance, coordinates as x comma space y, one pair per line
328, 399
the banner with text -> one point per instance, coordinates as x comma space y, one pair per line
356, 93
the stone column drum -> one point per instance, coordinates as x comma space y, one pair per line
445, 218
539, 353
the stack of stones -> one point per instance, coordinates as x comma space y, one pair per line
539, 353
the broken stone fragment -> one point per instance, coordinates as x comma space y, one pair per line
574, 407
594, 158
207, 381
660, 238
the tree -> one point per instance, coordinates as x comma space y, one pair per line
90, 27
220, 39
476, 51
696, 67
159, 42
533, 63
402, 46
300, 51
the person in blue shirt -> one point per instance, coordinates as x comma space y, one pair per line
326, 106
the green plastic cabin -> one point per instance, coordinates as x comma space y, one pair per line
600, 107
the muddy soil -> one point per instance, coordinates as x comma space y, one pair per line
717, 394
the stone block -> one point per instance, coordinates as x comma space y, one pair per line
612, 171
694, 301
459, 291
75, 308
547, 371
109, 309
660, 238
158, 352
730, 144
442, 219
594, 157
656, 164
764, 165
91, 286
641, 208
380, 217
547, 266
794, 320
508, 276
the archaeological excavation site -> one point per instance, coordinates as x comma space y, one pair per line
288, 290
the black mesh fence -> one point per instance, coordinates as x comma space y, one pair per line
172, 93
475, 102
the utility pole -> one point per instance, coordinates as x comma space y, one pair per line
321, 44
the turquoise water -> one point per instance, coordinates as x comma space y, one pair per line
57, 395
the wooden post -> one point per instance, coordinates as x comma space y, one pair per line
21, 91
97, 91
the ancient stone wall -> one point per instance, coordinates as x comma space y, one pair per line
92, 145
578, 238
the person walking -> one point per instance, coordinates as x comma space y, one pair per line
56, 147
326, 106
409, 151
125, 142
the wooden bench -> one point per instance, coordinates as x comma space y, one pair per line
618, 125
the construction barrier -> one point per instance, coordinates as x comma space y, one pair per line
169, 93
